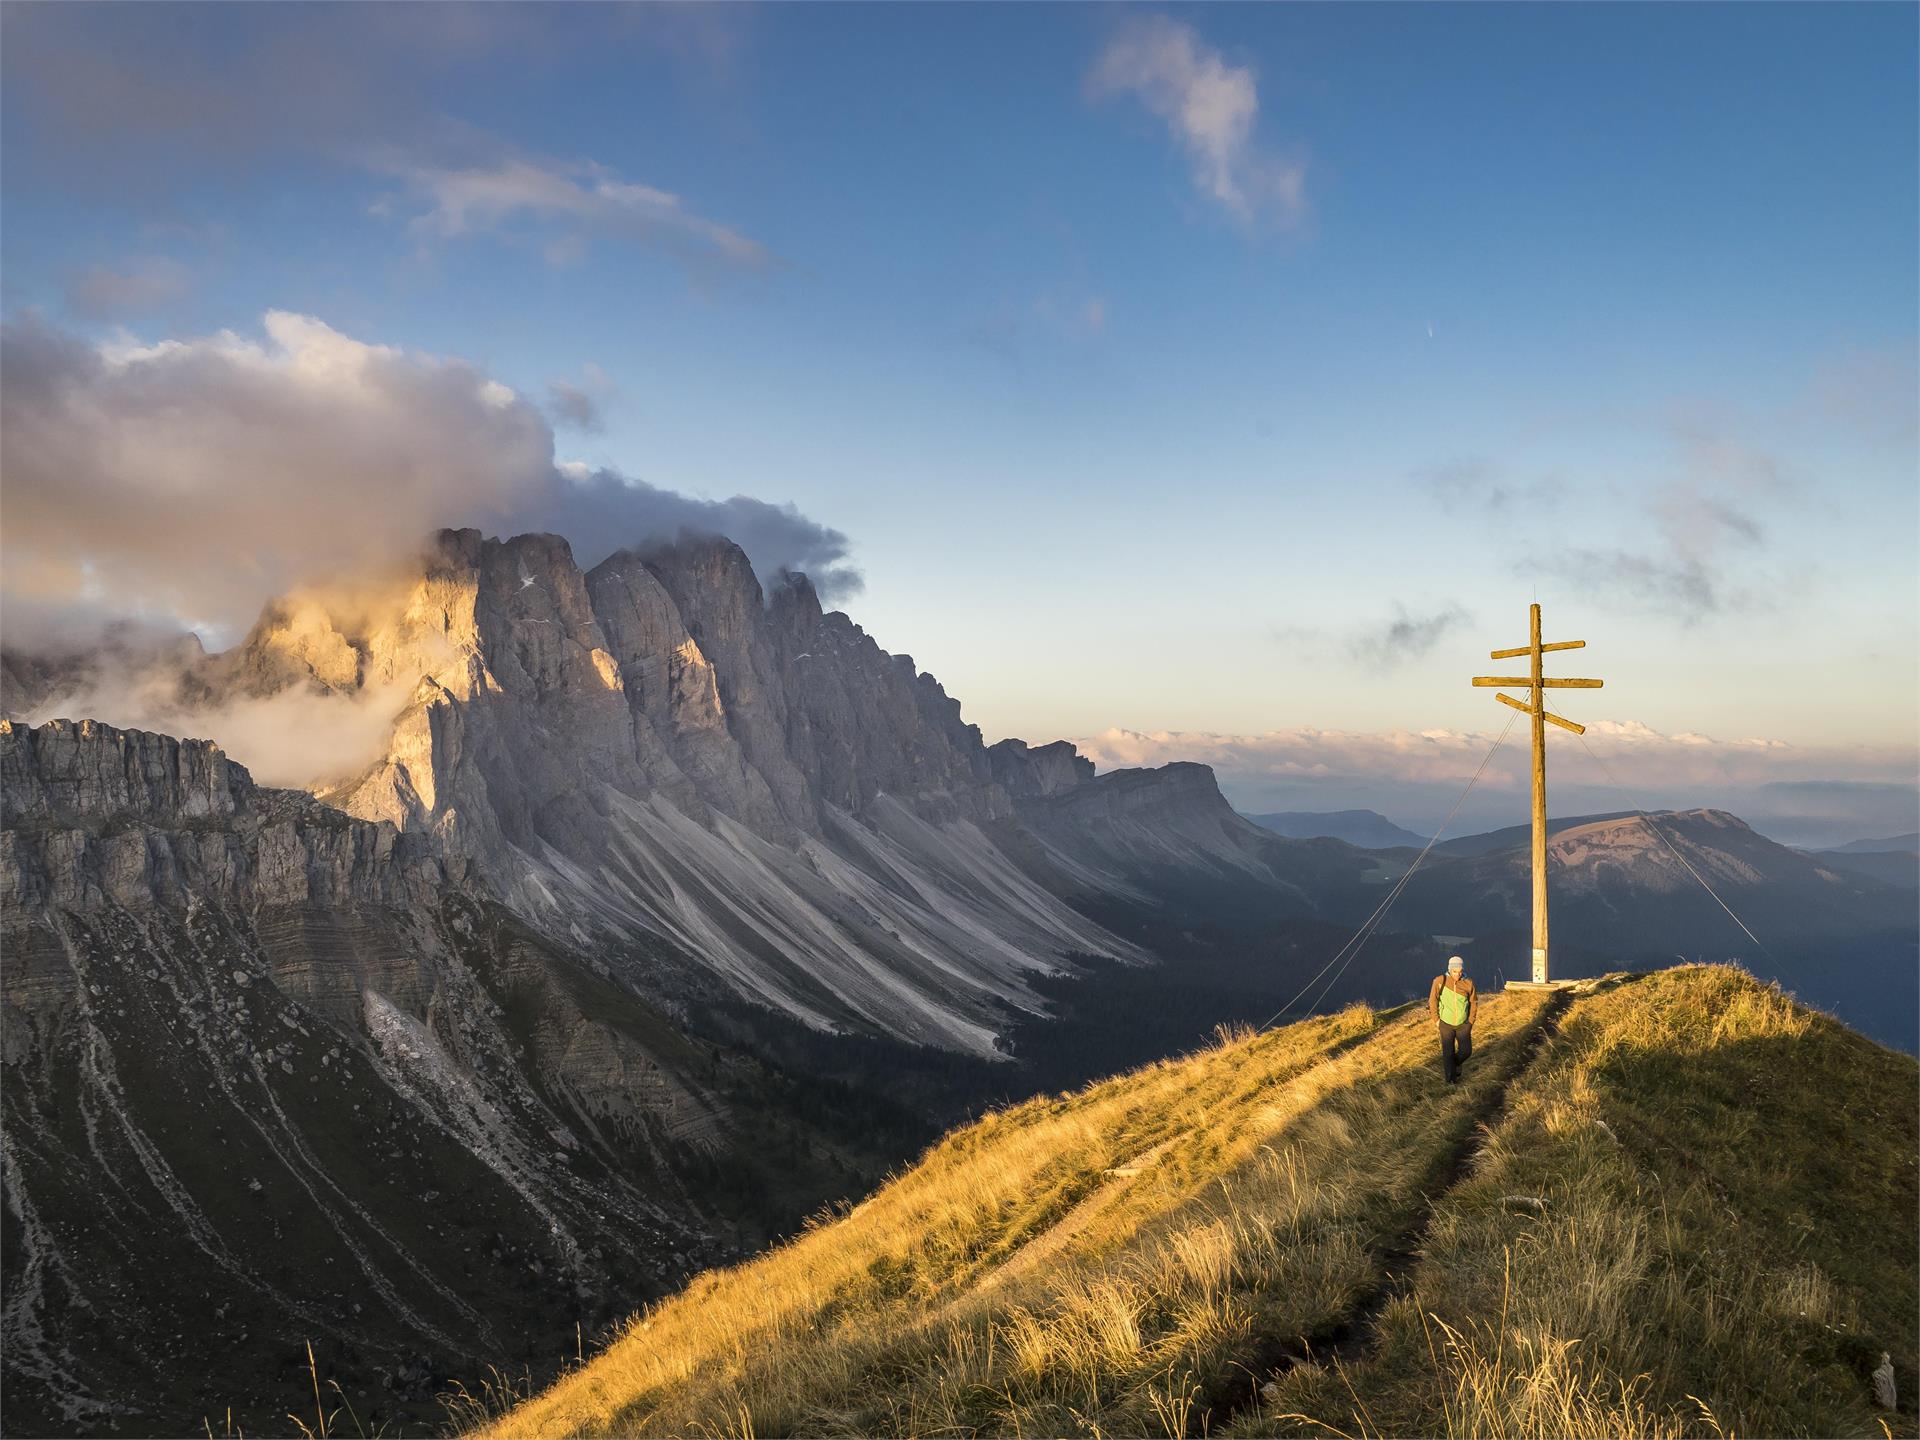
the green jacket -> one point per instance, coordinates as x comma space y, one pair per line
1464, 986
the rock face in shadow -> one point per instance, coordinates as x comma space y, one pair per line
98, 817
274, 1074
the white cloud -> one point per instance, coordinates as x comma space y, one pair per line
292, 737
1210, 107
194, 479
1657, 758
571, 203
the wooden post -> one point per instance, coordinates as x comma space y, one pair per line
1539, 800
1535, 706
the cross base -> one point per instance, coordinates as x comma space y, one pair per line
1541, 984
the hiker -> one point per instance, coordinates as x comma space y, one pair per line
1453, 1002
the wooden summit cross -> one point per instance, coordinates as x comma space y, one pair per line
1535, 705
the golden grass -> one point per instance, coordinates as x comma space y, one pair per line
1693, 1216
1101, 1262
1725, 1245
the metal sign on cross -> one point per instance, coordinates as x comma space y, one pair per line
1535, 705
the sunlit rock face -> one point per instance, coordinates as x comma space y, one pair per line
259, 1035
720, 791
710, 785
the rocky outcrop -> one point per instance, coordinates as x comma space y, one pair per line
252, 1049
97, 816
1033, 772
722, 791
713, 786
1133, 830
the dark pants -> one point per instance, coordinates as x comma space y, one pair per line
1456, 1044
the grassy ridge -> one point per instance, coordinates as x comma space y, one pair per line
1216, 1242
1723, 1244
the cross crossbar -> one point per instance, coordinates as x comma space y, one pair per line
1528, 649
1494, 682
1547, 715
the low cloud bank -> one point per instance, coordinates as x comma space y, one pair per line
1799, 795
297, 737
188, 482
161, 494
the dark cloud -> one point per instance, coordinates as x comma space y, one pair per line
77, 626
1650, 582
602, 511
569, 404
1406, 636
581, 403
102, 292
189, 482
1693, 537
1700, 545
1473, 484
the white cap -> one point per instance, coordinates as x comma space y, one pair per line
1455, 962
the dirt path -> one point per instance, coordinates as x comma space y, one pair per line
1400, 1252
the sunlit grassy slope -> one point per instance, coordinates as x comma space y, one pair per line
1676, 1203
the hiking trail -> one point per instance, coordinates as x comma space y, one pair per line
1356, 1336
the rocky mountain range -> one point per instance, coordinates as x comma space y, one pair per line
661, 908
628, 828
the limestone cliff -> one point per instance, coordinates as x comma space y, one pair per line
253, 1049
717, 789
98, 817
723, 792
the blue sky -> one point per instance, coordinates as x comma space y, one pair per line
1232, 370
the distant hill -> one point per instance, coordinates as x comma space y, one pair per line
1368, 829
1306, 1232
1625, 873
1894, 860
1877, 847
1621, 894
1507, 837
